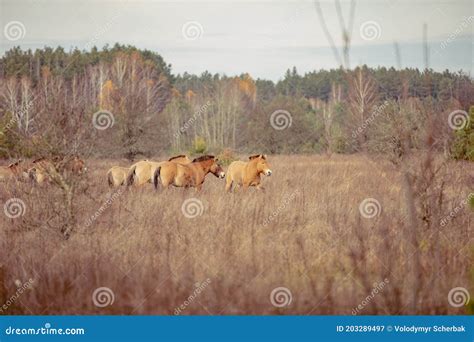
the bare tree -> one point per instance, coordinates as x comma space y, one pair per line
361, 100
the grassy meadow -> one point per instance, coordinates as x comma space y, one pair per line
185, 252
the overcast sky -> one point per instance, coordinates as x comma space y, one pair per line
263, 38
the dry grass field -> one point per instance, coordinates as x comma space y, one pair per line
183, 252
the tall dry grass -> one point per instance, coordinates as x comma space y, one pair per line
304, 233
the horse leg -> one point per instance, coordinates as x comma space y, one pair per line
228, 184
166, 183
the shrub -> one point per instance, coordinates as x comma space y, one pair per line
199, 146
463, 145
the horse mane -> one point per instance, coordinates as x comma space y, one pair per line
176, 157
39, 159
257, 156
15, 163
203, 158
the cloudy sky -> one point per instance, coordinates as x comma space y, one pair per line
261, 37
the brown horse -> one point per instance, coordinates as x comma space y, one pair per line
40, 170
17, 170
18, 167
74, 164
142, 171
43, 168
189, 175
247, 173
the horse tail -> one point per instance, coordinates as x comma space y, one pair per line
110, 178
131, 176
156, 177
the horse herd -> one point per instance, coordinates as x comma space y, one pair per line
179, 171
42, 170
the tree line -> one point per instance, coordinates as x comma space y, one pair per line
49, 97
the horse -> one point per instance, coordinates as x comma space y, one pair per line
189, 175
74, 164
38, 175
248, 173
10, 171
39, 172
16, 170
43, 168
117, 175
142, 171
